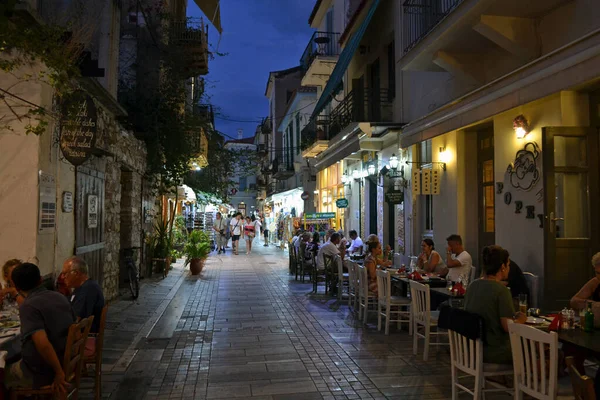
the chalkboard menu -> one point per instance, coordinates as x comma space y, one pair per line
394, 196
78, 128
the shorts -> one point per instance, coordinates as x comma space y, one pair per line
15, 377
235, 238
266, 232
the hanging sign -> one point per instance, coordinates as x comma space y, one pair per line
305, 195
416, 182
435, 182
341, 203
92, 211
426, 184
394, 196
320, 215
78, 128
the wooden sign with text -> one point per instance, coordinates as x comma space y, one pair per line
78, 128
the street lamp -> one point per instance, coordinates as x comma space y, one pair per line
394, 162
371, 169
355, 174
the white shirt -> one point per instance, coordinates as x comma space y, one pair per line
356, 244
328, 249
220, 224
236, 226
463, 271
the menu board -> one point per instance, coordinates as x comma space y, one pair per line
416, 182
426, 189
78, 129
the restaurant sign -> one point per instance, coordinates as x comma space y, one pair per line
320, 215
78, 128
341, 203
394, 196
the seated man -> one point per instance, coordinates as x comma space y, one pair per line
331, 249
45, 320
87, 297
357, 244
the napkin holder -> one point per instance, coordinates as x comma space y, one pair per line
555, 324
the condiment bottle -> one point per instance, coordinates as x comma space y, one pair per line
589, 318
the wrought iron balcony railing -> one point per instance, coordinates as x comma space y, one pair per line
421, 16
366, 105
324, 44
191, 37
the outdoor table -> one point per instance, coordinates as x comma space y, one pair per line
10, 337
437, 290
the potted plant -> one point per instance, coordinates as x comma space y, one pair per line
196, 251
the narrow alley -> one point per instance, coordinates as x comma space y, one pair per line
245, 329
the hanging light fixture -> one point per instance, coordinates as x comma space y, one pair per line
371, 169
394, 161
355, 174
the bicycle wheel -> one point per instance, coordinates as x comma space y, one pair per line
134, 281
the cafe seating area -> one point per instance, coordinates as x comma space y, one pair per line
413, 306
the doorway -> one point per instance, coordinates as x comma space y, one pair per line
485, 189
373, 92
570, 187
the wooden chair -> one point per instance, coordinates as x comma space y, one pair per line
292, 266
319, 275
72, 363
303, 266
389, 305
96, 358
466, 354
353, 285
366, 298
342, 277
535, 362
583, 386
423, 317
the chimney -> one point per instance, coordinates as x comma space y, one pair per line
240, 133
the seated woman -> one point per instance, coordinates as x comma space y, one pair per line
430, 260
380, 259
490, 299
9, 289
314, 245
373, 251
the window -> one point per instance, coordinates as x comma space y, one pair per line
242, 183
297, 145
391, 71
426, 201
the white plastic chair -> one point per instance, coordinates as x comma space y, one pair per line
366, 298
535, 362
423, 317
352, 284
387, 305
472, 275
343, 279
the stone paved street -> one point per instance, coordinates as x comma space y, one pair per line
244, 329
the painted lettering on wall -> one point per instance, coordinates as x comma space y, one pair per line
499, 187
507, 198
530, 212
518, 207
541, 218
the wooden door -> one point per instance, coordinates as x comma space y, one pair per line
485, 189
570, 224
374, 92
89, 220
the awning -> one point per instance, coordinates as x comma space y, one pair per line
212, 10
335, 80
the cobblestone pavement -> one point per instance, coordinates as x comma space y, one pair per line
245, 329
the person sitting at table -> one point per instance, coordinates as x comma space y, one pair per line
430, 260
489, 298
87, 298
331, 249
343, 242
356, 245
458, 261
8, 285
381, 261
313, 247
303, 248
45, 320
517, 283
373, 252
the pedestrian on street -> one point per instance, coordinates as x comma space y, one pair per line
249, 233
219, 227
266, 235
228, 232
236, 226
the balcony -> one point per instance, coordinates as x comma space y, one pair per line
366, 105
319, 58
266, 127
191, 39
421, 16
282, 170
200, 147
205, 113
314, 139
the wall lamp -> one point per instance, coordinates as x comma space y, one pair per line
521, 126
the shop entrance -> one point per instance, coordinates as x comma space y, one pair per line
485, 189
570, 188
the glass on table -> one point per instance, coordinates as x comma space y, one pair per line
523, 303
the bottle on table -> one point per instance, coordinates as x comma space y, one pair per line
589, 318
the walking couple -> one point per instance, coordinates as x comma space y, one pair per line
243, 228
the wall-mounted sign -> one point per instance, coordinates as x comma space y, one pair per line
394, 196
426, 183
47, 207
435, 182
305, 195
92, 211
320, 215
416, 182
523, 173
78, 128
341, 203
67, 202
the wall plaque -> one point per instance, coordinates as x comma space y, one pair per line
67, 202
78, 128
92, 211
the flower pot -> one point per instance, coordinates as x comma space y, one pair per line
196, 265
